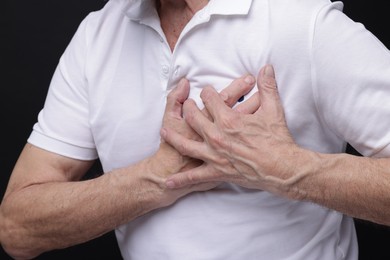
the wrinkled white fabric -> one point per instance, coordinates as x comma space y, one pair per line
108, 95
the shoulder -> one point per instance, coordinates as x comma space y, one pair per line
102, 24
112, 11
287, 10
293, 20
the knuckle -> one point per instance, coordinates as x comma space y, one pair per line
190, 116
219, 160
181, 182
182, 147
192, 178
217, 140
228, 121
269, 83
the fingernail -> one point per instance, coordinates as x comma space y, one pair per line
269, 71
224, 96
170, 184
249, 79
182, 81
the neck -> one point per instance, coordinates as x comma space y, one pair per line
175, 14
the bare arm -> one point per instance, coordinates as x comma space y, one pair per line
46, 206
257, 151
356, 186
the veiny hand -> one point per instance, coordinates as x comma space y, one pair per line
252, 150
169, 158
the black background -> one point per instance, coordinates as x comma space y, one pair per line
34, 34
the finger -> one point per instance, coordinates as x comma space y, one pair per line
267, 84
235, 92
213, 103
183, 145
237, 89
206, 114
194, 176
269, 95
250, 105
196, 119
177, 97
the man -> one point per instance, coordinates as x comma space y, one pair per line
107, 97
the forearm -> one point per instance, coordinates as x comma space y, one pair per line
55, 215
354, 185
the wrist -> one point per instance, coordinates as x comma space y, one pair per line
306, 180
153, 172
167, 161
295, 172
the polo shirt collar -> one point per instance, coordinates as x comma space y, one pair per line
139, 10
229, 7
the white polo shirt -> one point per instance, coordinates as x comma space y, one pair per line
108, 95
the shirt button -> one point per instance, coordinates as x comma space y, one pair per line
165, 69
177, 71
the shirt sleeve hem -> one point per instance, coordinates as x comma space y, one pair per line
62, 148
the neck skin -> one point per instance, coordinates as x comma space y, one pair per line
174, 16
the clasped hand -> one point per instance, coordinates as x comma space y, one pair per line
249, 145
167, 160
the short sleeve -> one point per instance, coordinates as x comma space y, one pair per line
351, 68
63, 123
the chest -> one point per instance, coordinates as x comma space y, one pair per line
130, 88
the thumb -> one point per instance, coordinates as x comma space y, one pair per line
266, 79
268, 89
